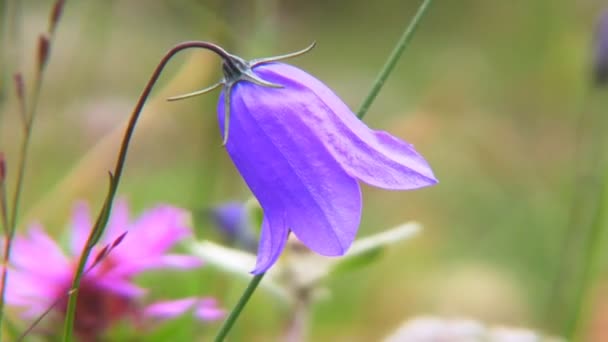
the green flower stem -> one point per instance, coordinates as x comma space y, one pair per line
591, 260
238, 308
388, 67
367, 102
115, 177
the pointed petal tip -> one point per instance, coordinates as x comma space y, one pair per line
263, 264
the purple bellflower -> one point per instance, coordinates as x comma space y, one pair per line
40, 273
302, 152
232, 220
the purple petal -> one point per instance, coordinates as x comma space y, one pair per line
272, 241
288, 167
374, 157
207, 309
233, 222
169, 308
81, 227
130, 267
230, 217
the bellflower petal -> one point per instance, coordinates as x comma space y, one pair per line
374, 157
272, 241
292, 174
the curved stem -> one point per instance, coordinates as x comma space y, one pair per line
406, 37
236, 311
115, 177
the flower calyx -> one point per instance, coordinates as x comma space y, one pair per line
236, 69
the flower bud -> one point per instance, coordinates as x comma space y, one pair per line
2, 168
600, 66
44, 45
55, 15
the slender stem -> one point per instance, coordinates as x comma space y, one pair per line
592, 255
115, 177
388, 67
240, 305
297, 326
29, 116
585, 187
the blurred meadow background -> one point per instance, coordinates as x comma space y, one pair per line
495, 95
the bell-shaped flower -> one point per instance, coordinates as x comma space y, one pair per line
303, 152
232, 221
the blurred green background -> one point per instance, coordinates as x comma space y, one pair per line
490, 92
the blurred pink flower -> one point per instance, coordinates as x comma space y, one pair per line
41, 273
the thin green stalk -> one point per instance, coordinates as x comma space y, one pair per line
593, 252
28, 115
16, 200
115, 177
238, 308
582, 209
391, 62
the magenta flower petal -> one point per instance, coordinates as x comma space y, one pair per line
40, 274
25, 286
298, 183
374, 157
207, 309
156, 231
81, 227
128, 268
169, 308
118, 222
120, 286
30, 251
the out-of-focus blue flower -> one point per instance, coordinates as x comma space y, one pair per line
601, 50
40, 272
233, 222
302, 152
